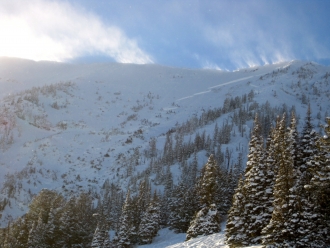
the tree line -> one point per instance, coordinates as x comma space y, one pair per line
283, 198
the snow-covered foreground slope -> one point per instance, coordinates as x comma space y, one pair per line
168, 239
72, 127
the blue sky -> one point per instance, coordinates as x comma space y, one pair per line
215, 34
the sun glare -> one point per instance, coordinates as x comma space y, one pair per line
18, 40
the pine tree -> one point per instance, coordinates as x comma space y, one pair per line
149, 225
41, 213
84, 221
319, 185
68, 224
252, 210
255, 147
208, 183
139, 204
235, 227
294, 140
302, 220
165, 199
207, 220
276, 233
126, 230
307, 145
37, 234
52, 228
15, 235
101, 238
97, 238
182, 206
257, 185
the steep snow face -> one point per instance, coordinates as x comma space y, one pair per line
70, 127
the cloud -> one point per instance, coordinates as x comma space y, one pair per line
254, 32
246, 44
59, 31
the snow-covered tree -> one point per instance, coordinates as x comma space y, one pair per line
207, 219
68, 224
206, 222
252, 203
139, 204
101, 238
235, 227
258, 183
276, 233
149, 225
37, 237
301, 218
126, 230
319, 185
182, 205
15, 235
208, 184
97, 238
307, 145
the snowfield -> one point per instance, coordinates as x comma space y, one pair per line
168, 239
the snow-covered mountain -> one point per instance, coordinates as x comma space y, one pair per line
70, 127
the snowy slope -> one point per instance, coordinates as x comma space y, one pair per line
169, 239
78, 132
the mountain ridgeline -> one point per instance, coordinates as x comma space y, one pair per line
88, 149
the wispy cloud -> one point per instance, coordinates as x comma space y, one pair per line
59, 31
255, 32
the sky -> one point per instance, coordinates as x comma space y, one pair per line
211, 34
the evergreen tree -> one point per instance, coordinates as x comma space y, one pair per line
139, 204
182, 206
165, 199
67, 224
101, 238
84, 221
255, 205
52, 228
319, 185
307, 145
206, 222
255, 147
149, 225
257, 186
207, 219
126, 230
276, 233
302, 219
50, 222
208, 184
37, 234
97, 238
15, 235
235, 227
